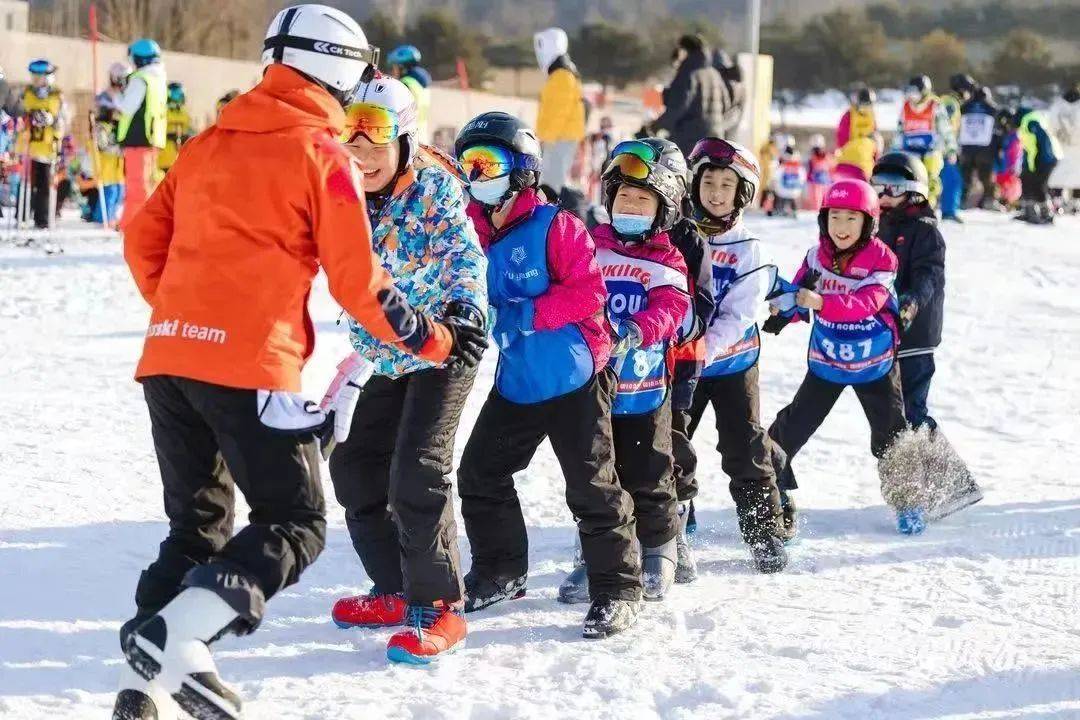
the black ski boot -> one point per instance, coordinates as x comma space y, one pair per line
788, 528
769, 554
482, 591
608, 616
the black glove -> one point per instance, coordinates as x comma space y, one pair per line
810, 279
775, 324
466, 325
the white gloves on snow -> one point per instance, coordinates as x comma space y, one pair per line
331, 418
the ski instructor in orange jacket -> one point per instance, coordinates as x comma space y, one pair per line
225, 252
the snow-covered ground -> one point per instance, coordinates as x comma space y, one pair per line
975, 619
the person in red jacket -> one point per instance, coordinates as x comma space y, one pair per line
224, 252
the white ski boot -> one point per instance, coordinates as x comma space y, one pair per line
172, 648
140, 699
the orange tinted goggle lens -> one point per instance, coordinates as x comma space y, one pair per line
486, 161
375, 122
630, 166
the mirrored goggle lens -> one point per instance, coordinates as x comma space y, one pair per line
715, 149
375, 122
636, 148
628, 165
486, 161
892, 187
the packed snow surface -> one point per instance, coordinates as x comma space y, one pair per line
975, 619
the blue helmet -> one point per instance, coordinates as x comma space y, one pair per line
143, 51
176, 93
404, 55
41, 67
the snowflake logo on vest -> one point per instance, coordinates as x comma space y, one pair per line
517, 255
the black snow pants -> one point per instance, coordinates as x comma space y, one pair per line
643, 466
882, 401
745, 450
392, 477
195, 426
504, 440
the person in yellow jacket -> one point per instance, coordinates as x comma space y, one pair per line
45, 114
560, 121
178, 128
141, 129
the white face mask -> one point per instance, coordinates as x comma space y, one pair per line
490, 192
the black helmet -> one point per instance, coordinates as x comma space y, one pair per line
921, 83
864, 96
899, 167
665, 174
962, 83
504, 129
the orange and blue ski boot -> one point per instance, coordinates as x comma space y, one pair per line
369, 611
433, 630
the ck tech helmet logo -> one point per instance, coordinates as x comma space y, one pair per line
328, 48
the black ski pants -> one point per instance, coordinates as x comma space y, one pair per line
504, 440
392, 477
643, 466
195, 427
745, 449
41, 177
882, 401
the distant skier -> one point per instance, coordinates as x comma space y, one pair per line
45, 117
980, 141
178, 126
141, 128
1041, 152
788, 181
820, 165
404, 62
925, 129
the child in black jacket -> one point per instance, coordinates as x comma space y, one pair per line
909, 227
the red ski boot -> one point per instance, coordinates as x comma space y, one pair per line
433, 630
369, 611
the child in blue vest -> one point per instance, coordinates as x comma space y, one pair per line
725, 177
644, 185
854, 336
545, 288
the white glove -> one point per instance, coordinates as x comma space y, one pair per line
344, 391
288, 412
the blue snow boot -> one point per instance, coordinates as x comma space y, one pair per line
910, 522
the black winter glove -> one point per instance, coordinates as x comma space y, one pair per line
466, 325
775, 324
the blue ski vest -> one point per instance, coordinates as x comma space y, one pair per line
543, 364
642, 372
850, 353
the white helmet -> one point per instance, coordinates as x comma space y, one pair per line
395, 96
323, 43
118, 72
550, 44
817, 140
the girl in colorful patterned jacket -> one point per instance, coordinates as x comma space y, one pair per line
847, 279
644, 186
552, 381
391, 473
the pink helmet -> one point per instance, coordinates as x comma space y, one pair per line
851, 194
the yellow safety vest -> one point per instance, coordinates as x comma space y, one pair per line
150, 126
1030, 143
178, 127
861, 122
423, 103
44, 141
